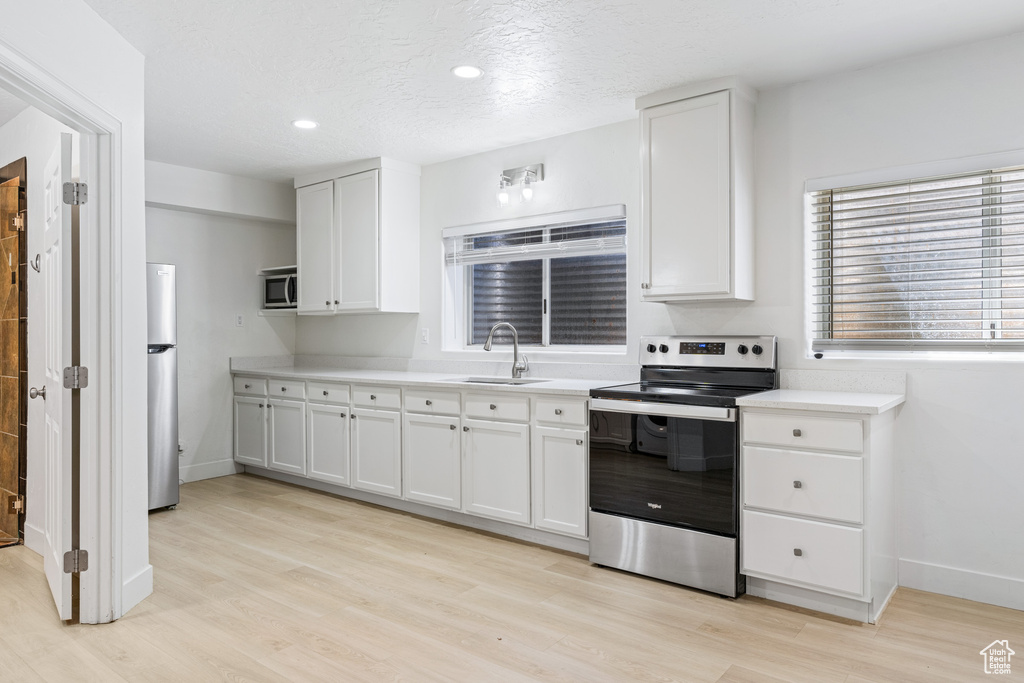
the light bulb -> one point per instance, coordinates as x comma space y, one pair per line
527, 188
503, 191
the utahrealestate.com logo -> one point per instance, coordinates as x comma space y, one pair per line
997, 657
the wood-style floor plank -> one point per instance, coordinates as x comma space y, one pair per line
256, 580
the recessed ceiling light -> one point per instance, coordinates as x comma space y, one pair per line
467, 71
305, 124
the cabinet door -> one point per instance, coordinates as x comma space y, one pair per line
356, 209
287, 439
560, 480
431, 460
377, 451
496, 474
251, 431
686, 208
327, 443
314, 247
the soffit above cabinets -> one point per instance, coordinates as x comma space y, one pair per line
224, 80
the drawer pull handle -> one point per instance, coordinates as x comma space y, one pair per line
248, 386
325, 392
798, 484
558, 411
451, 427
798, 552
284, 388
261, 405
465, 429
327, 303
429, 402
797, 432
373, 397
343, 414
579, 442
494, 407
353, 416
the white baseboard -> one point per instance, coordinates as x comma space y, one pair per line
208, 470
1003, 591
35, 539
136, 589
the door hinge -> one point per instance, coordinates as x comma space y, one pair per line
76, 194
19, 223
76, 377
16, 504
76, 561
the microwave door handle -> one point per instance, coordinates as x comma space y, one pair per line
287, 288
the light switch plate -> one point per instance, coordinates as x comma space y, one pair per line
239, 320
424, 335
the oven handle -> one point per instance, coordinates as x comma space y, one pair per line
664, 409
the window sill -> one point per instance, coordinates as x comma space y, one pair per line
923, 355
611, 354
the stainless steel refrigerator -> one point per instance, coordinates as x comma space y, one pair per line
163, 386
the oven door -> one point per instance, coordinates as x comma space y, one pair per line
665, 463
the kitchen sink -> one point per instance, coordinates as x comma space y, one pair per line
499, 380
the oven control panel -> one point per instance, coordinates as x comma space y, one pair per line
715, 351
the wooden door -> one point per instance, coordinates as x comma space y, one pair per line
496, 478
560, 480
357, 212
328, 443
286, 442
377, 451
432, 463
314, 247
251, 431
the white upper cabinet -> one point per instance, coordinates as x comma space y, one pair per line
314, 247
357, 239
697, 193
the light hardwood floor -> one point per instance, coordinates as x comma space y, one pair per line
262, 581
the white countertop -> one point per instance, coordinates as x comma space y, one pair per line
823, 401
570, 387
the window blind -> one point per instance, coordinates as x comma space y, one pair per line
524, 245
931, 262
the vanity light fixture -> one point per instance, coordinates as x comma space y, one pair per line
305, 124
526, 177
467, 71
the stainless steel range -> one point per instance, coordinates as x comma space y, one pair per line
664, 481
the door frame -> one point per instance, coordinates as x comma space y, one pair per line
100, 325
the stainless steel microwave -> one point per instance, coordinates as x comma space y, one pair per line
280, 291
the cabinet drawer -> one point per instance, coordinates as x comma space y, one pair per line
814, 484
804, 431
287, 388
498, 407
325, 392
432, 402
560, 411
250, 386
387, 398
813, 553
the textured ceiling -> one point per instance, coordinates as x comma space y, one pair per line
224, 79
10, 106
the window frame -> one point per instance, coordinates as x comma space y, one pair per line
880, 349
458, 286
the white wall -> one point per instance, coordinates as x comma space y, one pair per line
217, 261
33, 135
192, 189
959, 436
68, 42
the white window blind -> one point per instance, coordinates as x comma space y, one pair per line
559, 284
928, 262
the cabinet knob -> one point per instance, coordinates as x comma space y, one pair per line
261, 405
452, 427
248, 386
343, 415
644, 285
465, 429
796, 432
558, 411
327, 303
494, 407
798, 484
325, 392
579, 442
373, 397
284, 388
353, 416
335, 302
429, 402
798, 552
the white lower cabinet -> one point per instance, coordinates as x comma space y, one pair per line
377, 451
560, 480
432, 460
287, 437
251, 431
496, 470
327, 428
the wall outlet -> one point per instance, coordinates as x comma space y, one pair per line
424, 335
239, 320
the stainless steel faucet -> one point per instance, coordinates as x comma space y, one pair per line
519, 366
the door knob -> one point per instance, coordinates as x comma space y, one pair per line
429, 402
558, 411
37, 393
452, 427
465, 429
796, 432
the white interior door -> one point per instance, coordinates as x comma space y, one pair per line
56, 270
